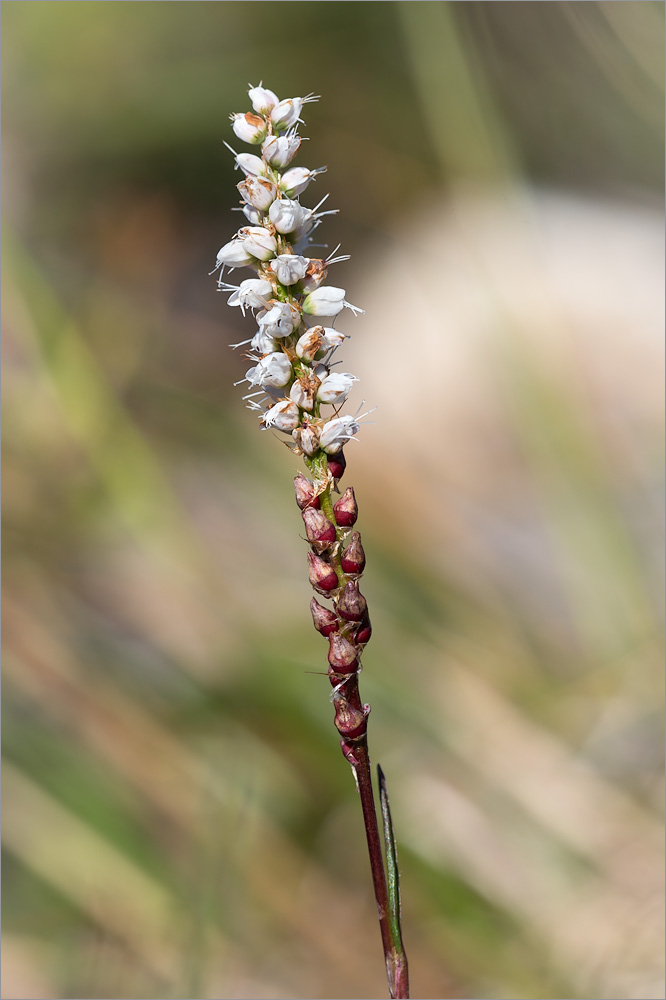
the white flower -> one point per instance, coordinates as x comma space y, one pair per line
289, 268
261, 343
253, 215
248, 127
335, 387
307, 438
280, 150
279, 319
310, 344
294, 181
316, 341
263, 100
273, 370
253, 293
336, 433
332, 338
258, 192
302, 394
287, 215
284, 416
288, 112
251, 165
233, 254
315, 274
327, 301
258, 241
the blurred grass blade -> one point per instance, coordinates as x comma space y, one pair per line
392, 874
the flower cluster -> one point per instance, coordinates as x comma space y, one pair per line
292, 377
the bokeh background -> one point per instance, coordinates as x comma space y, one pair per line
178, 819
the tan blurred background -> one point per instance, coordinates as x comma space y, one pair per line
178, 819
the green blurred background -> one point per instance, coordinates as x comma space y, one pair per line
178, 819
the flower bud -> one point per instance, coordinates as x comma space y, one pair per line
337, 464
233, 254
336, 432
284, 416
363, 632
248, 127
289, 268
295, 180
350, 722
258, 241
326, 301
351, 604
280, 150
305, 492
319, 530
341, 654
324, 620
335, 387
251, 165
253, 215
307, 438
345, 509
287, 113
258, 192
287, 215
279, 319
263, 100
322, 575
352, 559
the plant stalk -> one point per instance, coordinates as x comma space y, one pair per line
394, 956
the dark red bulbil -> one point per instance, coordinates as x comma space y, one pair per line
319, 530
305, 492
322, 576
345, 509
337, 464
350, 722
324, 620
352, 605
352, 559
341, 654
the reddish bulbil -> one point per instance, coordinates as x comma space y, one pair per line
337, 464
363, 632
305, 492
351, 604
352, 559
324, 620
345, 509
322, 576
341, 654
318, 528
350, 722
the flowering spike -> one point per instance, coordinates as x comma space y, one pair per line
345, 509
291, 380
